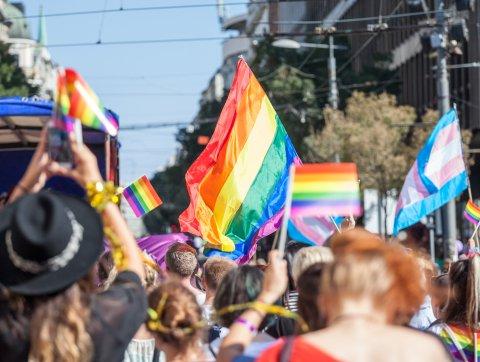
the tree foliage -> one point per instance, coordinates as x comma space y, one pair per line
13, 81
296, 82
380, 136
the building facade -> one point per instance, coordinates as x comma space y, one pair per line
32, 54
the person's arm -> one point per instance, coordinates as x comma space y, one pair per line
240, 336
35, 175
86, 172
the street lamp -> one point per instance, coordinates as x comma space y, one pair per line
293, 44
332, 72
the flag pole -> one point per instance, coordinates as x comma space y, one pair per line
334, 223
286, 213
475, 231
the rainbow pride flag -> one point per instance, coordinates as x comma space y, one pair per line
141, 196
238, 184
462, 345
323, 189
472, 212
85, 105
62, 105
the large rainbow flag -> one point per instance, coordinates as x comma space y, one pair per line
238, 184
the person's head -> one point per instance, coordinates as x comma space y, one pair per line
214, 270
49, 245
175, 318
463, 298
181, 260
308, 256
372, 277
104, 267
151, 279
240, 285
439, 293
428, 268
291, 249
308, 286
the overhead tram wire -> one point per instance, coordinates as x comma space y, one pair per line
215, 38
121, 9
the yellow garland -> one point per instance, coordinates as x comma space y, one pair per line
267, 309
118, 256
101, 193
155, 323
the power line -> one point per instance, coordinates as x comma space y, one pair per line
351, 20
346, 32
148, 8
146, 41
142, 94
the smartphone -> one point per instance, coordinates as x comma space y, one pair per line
59, 147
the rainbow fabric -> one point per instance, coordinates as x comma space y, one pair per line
141, 196
464, 338
62, 104
324, 189
238, 184
472, 212
84, 104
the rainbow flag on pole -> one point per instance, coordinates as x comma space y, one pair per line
472, 212
238, 184
324, 189
141, 196
84, 104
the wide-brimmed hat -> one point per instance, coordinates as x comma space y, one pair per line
48, 241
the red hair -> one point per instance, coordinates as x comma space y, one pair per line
400, 291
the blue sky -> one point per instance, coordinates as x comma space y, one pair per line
146, 83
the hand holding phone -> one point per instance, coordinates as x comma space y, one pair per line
59, 148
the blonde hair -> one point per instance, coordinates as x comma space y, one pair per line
151, 279
306, 257
58, 328
365, 266
214, 269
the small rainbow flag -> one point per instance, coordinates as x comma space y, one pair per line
85, 105
472, 212
141, 196
62, 104
323, 189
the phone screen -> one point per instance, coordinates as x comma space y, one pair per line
59, 147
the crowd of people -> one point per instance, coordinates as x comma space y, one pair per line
67, 296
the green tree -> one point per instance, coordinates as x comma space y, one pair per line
381, 137
170, 183
13, 81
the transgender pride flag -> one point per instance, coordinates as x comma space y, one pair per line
437, 176
312, 230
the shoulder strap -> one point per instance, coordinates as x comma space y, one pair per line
455, 341
156, 355
287, 348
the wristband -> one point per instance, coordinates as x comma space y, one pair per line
247, 324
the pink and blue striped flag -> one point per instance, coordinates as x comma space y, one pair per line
313, 230
437, 176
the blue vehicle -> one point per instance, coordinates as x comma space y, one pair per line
21, 120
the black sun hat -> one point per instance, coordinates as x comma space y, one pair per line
48, 241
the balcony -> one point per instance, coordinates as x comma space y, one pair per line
236, 22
